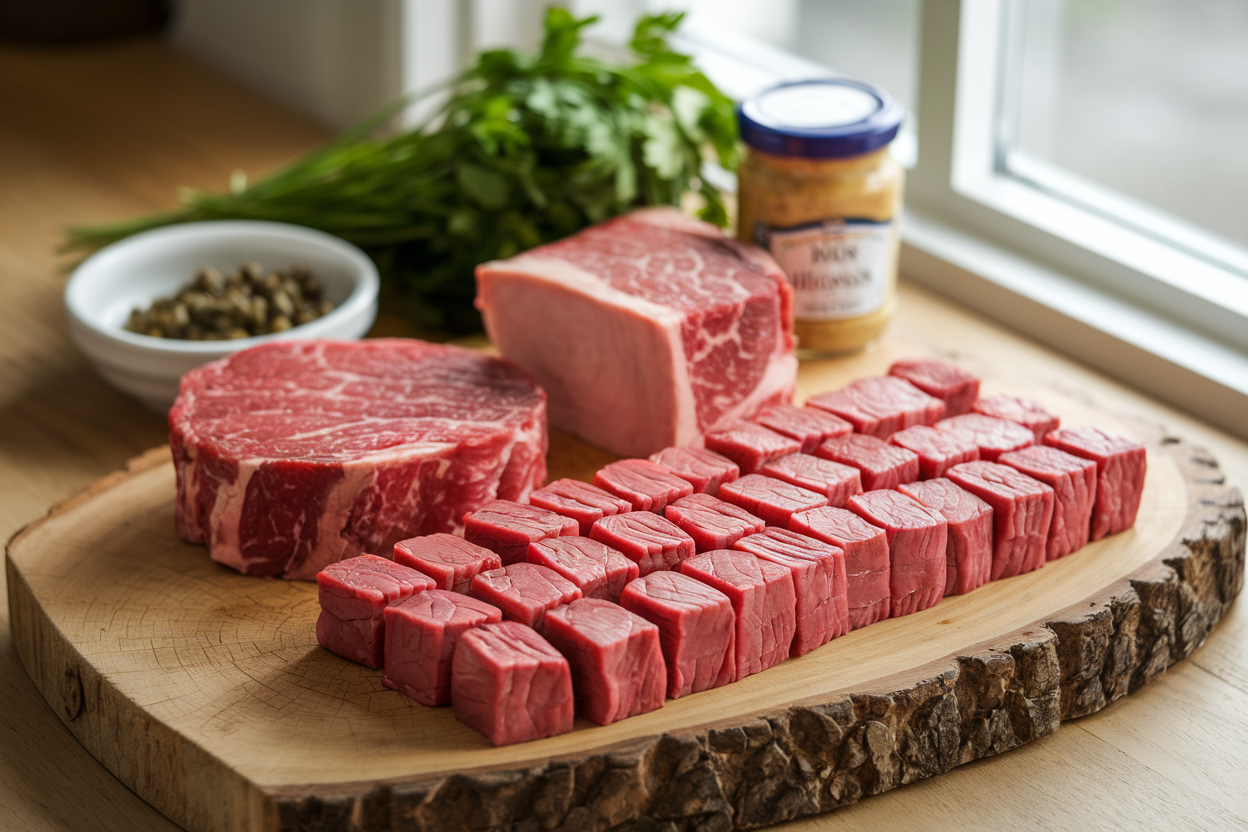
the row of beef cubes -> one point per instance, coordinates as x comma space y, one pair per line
700, 566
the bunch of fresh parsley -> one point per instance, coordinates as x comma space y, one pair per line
529, 148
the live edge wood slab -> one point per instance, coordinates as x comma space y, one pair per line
206, 693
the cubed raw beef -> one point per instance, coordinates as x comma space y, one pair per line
834, 480
1073, 481
697, 629
808, 425
705, 470
353, 594
1027, 413
421, 633
510, 684
880, 464
763, 601
508, 528
771, 499
968, 553
879, 406
524, 591
711, 522
451, 561
991, 435
917, 539
583, 502
295, 454
1022, 511
652, 542
818, 570
867, 589
616, 659
750, 445
646, 485
938, 450
951, 384
597, 570
1120, 468
647, 330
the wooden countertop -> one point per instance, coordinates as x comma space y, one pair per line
103, 133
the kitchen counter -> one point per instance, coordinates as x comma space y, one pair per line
93, 134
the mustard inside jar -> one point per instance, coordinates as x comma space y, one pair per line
820, 191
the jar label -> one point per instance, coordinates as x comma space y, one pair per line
838, 268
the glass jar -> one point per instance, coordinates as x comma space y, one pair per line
820, 191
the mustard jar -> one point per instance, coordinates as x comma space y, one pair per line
820, 191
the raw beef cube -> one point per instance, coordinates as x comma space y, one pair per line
917, 539
951, 384
1028, 414
652, 542
616, 659
646, 485
880, 464
808, 425
991, 435
353, 594
524, 591
583, 502
420, 641
750, 445
597, 570
705, 470
451, 561
1022, 511
880, 406
818, 571
1120, 468
508, 528
833, 480
1073, 481
771, 499
938, 450
510, 684
295, 454
697, 629
968, 553
647, 330
763, 601
712, 522
865, 546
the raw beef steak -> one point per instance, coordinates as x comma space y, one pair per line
354, 594
705, 470
507, 528
1028, 414
647, 330
833, 480
917, 538
524, 591
421, 633
879, 406
296, 454
808, 425
510, 684
951, 384
763, 601
750, 445
583, 502
1022, 511
597, 570
652, 542
880, 464
938, 450
711, 522
1073, 480
451, 561
1120, 468
867, 589
819, 581
991, 435
697, 629
968, 553
771, 499
616, 659
646, 485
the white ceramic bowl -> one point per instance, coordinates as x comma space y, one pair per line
135, 271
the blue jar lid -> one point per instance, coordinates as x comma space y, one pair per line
819, 119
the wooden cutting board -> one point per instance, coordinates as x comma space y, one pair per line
205, 690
